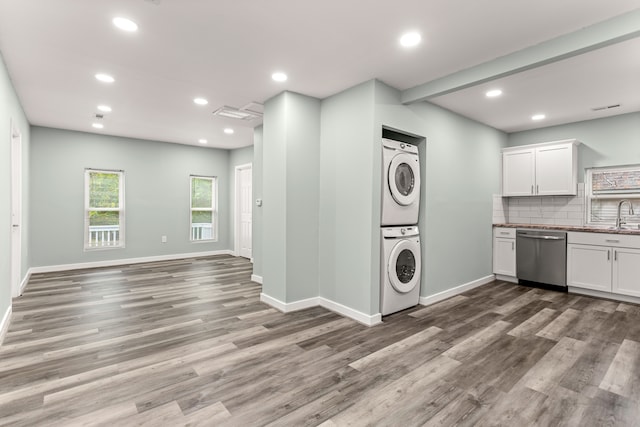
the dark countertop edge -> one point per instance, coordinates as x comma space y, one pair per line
569, 228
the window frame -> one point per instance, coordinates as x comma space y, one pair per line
120, 209
617, 196
213, 209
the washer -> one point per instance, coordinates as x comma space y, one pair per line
400, 269
400, 183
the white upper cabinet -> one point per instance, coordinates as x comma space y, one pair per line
518, 172
549, 169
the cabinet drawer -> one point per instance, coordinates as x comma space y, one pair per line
604, 239
505, 233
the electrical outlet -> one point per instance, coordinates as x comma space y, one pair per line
164, 239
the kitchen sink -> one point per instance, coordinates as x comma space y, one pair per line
622, 227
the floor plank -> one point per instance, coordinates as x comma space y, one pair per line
188, 343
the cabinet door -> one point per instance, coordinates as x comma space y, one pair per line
626, 271
518, 168
554, 170
589, 267
504, 257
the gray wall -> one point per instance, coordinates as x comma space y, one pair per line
156, 195
274, 184
257, 221
303, 171
11, 110
347, 188
237, 157
460, 171
605, 142
291, 143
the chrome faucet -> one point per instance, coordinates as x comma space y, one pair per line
619, 220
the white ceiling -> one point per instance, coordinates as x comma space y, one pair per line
565, 91
226, 52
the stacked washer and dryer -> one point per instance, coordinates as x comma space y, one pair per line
401, 259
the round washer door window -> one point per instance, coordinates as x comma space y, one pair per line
404, 266
404, 178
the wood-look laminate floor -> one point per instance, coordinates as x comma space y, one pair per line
187, 342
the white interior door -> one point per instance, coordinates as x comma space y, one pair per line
16, 210
244, 206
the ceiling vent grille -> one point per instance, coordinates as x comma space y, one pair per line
251, 111
606, 107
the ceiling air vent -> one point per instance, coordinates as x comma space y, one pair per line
606, 107
250, 111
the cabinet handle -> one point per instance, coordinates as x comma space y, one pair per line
608, 255
615, 255
513, 246
537, 189
612, 240
532, 189
504, 232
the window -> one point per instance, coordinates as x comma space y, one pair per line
104, 209
203, 208
606, 187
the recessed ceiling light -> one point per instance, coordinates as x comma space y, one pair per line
200, 101
279, 76
410, 39
98, 125
493, 93
125, 24
104, 108
538, 117
228, 131
106, 78
202, 141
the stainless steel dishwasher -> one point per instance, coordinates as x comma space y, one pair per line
541, 256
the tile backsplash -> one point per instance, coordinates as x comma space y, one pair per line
551, 210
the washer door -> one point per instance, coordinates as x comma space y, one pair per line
404, 178
404, 266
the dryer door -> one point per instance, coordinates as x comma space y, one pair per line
404, 266
404, 178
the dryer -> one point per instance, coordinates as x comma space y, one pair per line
400, 183
400, 268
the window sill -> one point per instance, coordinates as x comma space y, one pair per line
105, 248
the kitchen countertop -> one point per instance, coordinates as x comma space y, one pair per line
570, 228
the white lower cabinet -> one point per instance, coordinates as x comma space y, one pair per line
604, 262
626, 271
589, 267
504, 251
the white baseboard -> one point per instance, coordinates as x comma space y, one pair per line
256, 278
24, 282
432, 299
288, 307
365, 319
125, 261
358, 316
606, 295
4, 323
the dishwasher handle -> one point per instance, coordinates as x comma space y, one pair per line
541, 237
